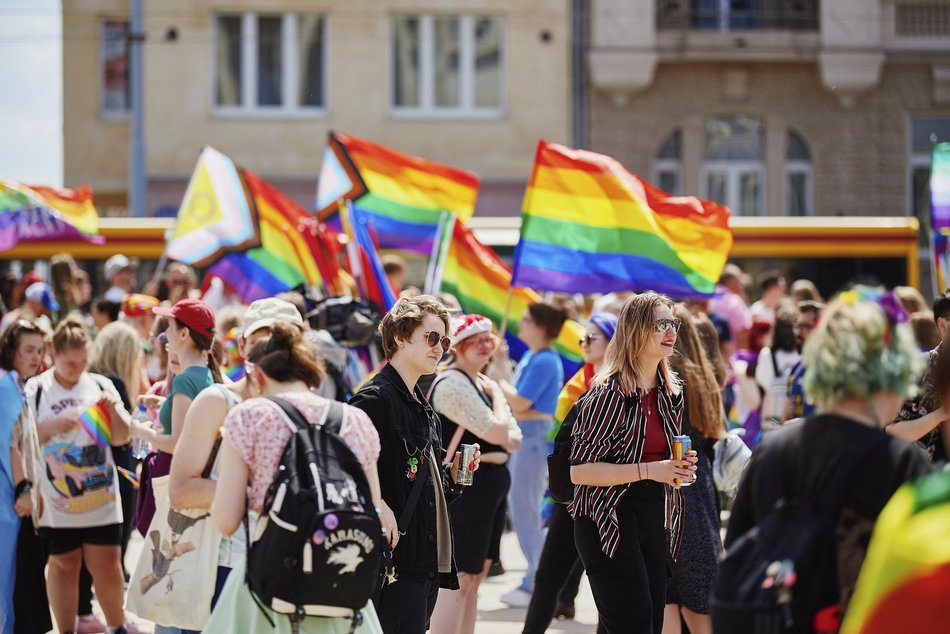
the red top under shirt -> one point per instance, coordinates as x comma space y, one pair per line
654, 447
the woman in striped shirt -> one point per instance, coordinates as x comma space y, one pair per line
627, 498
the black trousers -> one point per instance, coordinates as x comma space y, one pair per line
30, 605
405, 607
559, 572
630, 588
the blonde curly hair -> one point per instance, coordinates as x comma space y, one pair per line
858, 350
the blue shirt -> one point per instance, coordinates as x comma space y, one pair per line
801, 406
538, 378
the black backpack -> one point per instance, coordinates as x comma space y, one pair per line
320, 543
559, 460
782, 572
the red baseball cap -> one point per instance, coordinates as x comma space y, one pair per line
193, 313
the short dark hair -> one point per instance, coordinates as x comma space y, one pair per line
769, 279
10, 340
941, 306
103, 305
551, 319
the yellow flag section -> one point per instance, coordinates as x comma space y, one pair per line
904, 584
216, 216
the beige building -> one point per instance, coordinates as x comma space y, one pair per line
775, 107
471, 83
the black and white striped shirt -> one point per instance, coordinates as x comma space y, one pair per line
611, 427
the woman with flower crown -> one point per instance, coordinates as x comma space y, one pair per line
861, 363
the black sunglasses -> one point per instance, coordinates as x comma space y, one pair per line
433, 338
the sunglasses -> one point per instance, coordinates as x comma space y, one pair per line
588, 339
433, 338
662, 325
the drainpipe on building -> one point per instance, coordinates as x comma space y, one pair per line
136, 199
579, 73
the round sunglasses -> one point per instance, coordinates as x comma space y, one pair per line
662, 325
433, 338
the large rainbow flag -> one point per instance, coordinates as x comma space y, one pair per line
404, 195
34, 212
589, 225
905, 579
257, 240
480, 280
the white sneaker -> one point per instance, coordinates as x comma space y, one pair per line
517, 598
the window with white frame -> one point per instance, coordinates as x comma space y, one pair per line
668, 167
923, 132
447, 65
733, 171
114, 56
270, 63
798, 181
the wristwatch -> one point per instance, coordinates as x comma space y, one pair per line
22, 488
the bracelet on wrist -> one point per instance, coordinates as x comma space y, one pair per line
639, 477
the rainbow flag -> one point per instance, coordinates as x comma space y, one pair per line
258, 241
940, 215
403, 194
95, 422
905, 579
589, 225
34, 212
366, 265
480, 280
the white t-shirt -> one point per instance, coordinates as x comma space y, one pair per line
78, 480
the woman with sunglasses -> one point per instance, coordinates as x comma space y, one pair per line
21, 350
414, 338
473, 410
560, 569
620, 456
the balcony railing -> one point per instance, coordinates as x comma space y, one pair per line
737, 15
922, 19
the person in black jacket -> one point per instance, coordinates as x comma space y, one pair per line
860, 363
414, 337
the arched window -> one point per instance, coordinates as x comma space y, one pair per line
668, 167
733, 170
798, 182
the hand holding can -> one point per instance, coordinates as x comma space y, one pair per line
682, 445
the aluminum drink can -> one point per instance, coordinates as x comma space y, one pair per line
466, 465
681, 446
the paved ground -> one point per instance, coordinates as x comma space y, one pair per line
494, 617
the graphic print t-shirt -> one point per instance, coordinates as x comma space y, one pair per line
78, 480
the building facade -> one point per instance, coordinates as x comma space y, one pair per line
471, 83
774, 107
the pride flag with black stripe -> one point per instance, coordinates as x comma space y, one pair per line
589, 225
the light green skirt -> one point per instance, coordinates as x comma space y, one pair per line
237, 613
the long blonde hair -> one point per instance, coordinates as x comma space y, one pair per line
635, 326
703, 399
116, 352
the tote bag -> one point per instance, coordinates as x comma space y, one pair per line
174, 579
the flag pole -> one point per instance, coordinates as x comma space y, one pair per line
503, 326
431, 284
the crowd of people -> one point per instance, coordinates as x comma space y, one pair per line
190, 436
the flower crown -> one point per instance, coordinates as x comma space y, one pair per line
888, 301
